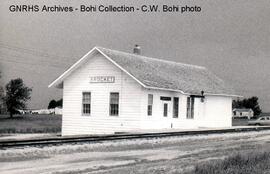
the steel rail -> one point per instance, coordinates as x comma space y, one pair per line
125, 136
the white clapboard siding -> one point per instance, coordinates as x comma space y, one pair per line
218, 112
157, 120
100, 121
214, 111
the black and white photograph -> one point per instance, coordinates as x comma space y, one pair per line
135, 87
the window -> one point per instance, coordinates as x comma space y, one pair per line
86, 103
190, 107
150, 104
114, 103
175, 107
262, 118
165, 110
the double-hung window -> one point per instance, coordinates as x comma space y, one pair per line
190, 107
86, 103
150, 104
175, 107
114, 103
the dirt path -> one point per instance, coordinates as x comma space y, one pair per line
165, 155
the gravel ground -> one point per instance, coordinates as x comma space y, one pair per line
5, 137
160, 155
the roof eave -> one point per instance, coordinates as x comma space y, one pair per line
60, 79
186, 93
166, 89
222, 94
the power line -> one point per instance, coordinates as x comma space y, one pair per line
41, 53
18, 68
32, 51
12, 61
20, 57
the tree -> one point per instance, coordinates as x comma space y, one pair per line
17, 94
1, 90
52, 104
251, 102
59, 103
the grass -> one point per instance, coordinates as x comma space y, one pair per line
30, 124
239, 122
47, 123
252, 163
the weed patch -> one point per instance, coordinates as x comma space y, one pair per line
252, 163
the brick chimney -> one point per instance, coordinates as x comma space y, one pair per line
137, 49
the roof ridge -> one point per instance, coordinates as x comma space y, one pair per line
155, 59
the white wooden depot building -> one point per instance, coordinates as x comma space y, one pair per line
108, 91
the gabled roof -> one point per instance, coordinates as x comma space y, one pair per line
159, 74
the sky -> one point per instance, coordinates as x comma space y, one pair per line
231, 38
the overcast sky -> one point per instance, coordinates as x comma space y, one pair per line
231, 38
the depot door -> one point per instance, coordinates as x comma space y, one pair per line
167, 109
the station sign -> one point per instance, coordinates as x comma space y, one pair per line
165, 98
102, 79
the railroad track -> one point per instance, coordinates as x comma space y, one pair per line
127, 136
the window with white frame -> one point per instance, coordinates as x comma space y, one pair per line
114, 103
150, 104
175, 107
190, 107
86, 103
